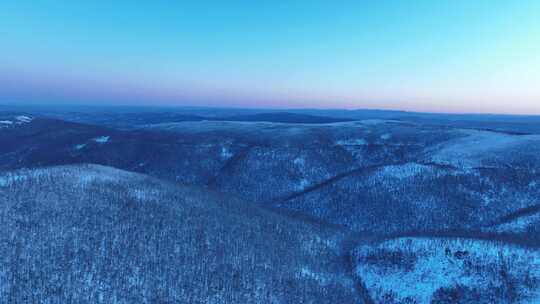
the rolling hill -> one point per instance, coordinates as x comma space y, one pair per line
93, 234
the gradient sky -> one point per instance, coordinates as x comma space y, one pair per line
420, 55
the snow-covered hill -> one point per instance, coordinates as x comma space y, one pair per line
7, 121
93, 234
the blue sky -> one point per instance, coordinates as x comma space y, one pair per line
423, 55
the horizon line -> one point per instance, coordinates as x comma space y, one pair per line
255, 108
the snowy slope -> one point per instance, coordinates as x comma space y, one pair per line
93, 234
423, 270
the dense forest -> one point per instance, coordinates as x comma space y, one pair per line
260, 208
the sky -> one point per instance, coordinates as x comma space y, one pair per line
459, 56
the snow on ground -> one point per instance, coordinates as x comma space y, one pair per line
98, 173
299, 161
251, 126
23, 118
378, 121
469, 150
352, 142
143, 195
102, 139
307, 273
386, 136
401, 270
79, 147
302, 184
402, 171
226, 153
18, 120
9, 178
519, 225
82, 175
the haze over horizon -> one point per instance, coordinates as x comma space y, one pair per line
445, 56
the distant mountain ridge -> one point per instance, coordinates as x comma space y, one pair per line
132, 117
283, 117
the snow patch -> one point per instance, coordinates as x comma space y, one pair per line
103, 175
144, 195
18, 120
415, 268
307, 273
10, 178
299, 161
79, 147
226, 153
102, 139
23, 118
469, 151
302, 184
